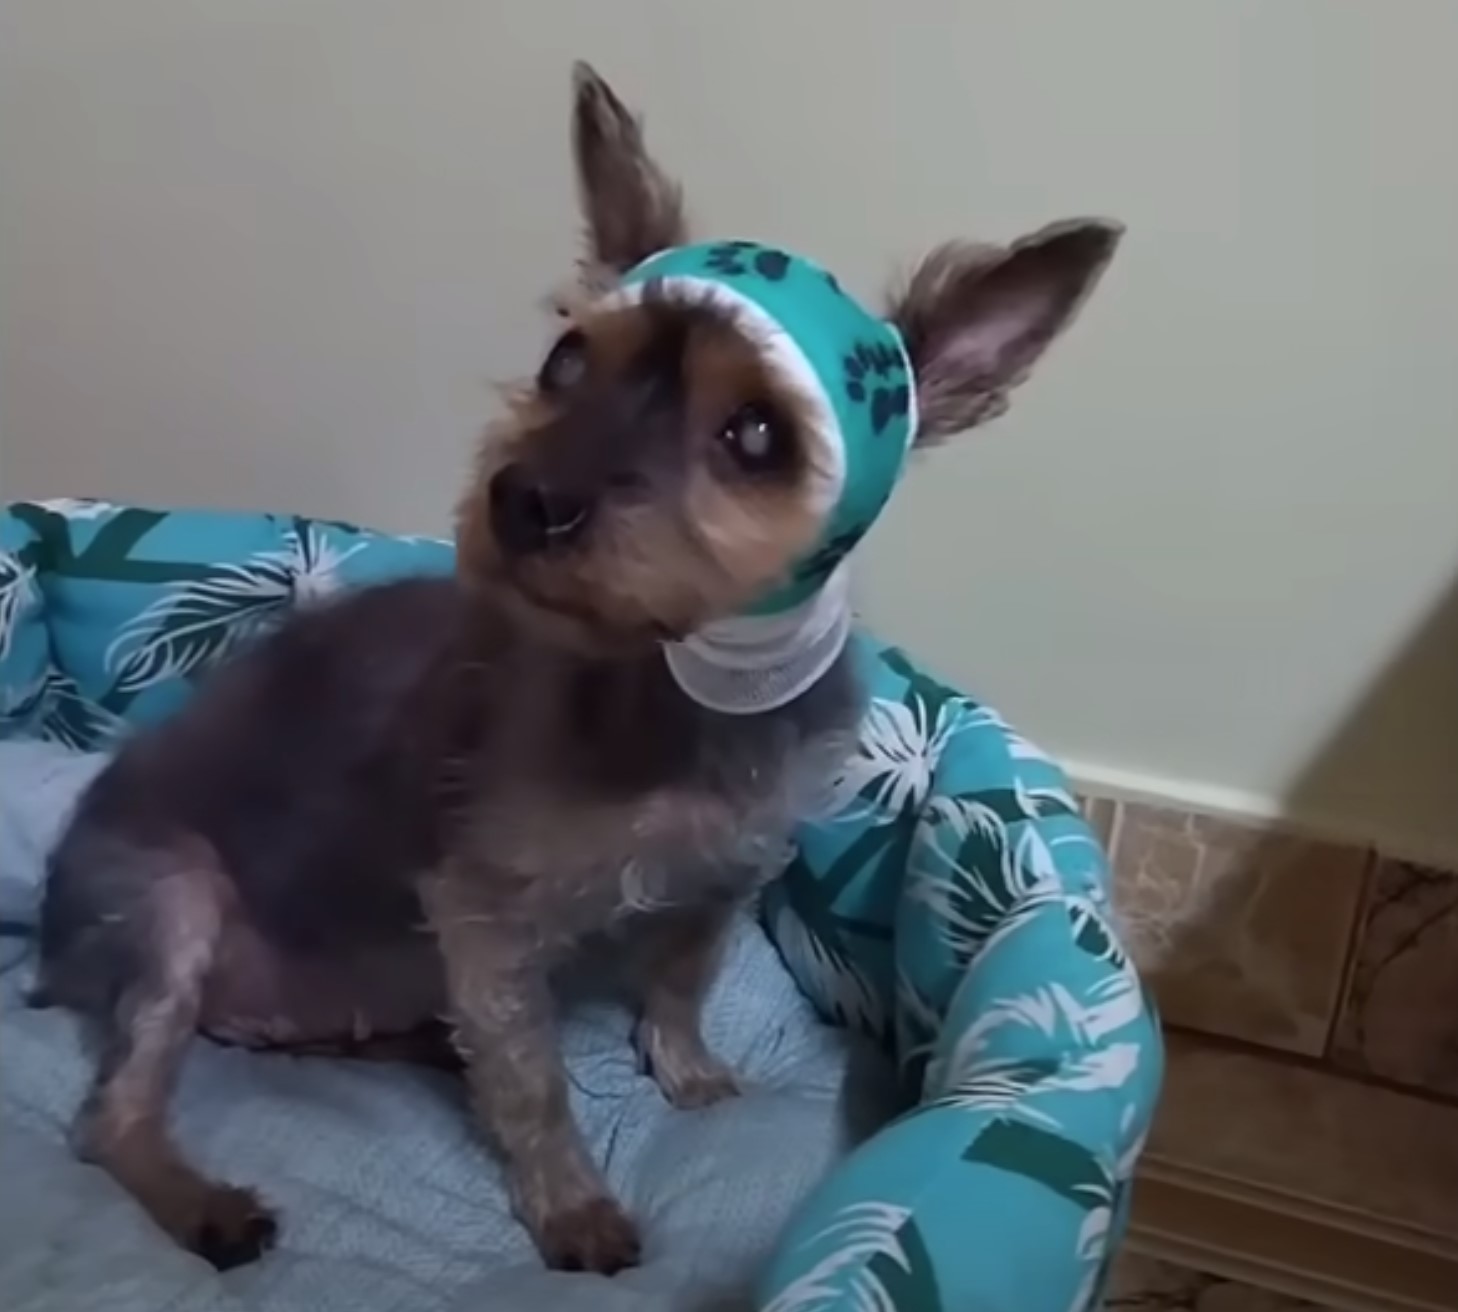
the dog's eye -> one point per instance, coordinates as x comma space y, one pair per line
757, 438
566, 363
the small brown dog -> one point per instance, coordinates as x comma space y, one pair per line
416, 801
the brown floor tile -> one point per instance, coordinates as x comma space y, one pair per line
1311, 1134
1400, 1017
1242, 931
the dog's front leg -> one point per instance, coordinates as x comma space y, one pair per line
502, 1009
674, 957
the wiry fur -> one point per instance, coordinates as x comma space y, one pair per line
417, 801
399, 776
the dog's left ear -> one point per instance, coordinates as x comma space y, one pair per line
631, 208
975, 319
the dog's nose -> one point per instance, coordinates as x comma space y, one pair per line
528, 516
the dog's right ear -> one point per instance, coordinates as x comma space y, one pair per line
976, 319
630, 207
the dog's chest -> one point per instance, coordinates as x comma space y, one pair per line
689, 846
578, 864
583, 813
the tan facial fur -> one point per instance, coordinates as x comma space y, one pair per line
688, 538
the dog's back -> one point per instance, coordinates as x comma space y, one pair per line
302, 773
316, 778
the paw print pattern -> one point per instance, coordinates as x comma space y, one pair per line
875, 373
735, 259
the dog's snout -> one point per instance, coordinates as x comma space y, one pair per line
528, 516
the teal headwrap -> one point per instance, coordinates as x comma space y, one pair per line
849, 364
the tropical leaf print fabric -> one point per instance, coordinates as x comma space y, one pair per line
138, 603
958, 875
951, 902
25, 656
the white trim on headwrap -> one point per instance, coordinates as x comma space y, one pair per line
913, 410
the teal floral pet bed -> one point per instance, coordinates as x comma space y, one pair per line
952, 911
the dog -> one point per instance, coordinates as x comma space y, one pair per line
418, 800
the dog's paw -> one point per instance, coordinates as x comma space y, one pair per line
701, 1088
593, 1236
230, 1227
684, 1069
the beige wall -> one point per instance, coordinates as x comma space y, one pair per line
273, 253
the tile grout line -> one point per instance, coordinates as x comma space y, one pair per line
1348, 975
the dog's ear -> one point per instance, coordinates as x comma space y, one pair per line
630, 207
975, 319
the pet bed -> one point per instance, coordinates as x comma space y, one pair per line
935, 966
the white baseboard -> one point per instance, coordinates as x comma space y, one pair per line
1260, 809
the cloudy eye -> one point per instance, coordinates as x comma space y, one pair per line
565, 365
757, 439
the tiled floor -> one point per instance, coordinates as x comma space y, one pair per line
1395, 1022
1242, 930
1262, 933
1142, 1284
1312, 1078
1311, 1134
